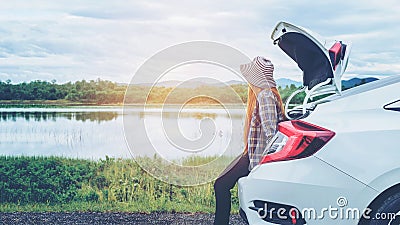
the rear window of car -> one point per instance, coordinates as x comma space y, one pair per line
362, 88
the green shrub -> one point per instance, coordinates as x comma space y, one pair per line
40, 179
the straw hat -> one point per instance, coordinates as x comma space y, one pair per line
259, 72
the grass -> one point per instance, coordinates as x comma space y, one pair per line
110, 185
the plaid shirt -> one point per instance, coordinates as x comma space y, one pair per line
263, 125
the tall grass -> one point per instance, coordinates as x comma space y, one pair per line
104, 185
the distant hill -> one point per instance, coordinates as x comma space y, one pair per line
197, 83
346, 84
283, 82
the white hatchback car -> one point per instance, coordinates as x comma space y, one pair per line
337, 160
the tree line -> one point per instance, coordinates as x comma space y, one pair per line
93, 91
107, 92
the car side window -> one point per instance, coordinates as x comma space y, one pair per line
394, 106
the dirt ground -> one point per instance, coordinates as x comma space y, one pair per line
112, 218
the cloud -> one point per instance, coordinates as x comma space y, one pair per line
72, 40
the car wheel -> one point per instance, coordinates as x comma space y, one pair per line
387, 213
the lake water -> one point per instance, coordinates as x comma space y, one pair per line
96, 132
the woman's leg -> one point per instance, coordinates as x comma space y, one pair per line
224, 183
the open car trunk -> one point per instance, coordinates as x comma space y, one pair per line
323, 62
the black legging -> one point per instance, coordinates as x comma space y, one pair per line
224, 183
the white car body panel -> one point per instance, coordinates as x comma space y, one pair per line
305, 183
355, 119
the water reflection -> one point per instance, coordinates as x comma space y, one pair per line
94, 132
53, 116
196, 115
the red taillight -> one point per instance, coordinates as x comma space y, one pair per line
299, 139
293, 215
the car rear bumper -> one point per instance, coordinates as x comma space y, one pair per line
309, 185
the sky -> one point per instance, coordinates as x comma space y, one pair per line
88, 39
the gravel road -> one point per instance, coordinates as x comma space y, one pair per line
112, 218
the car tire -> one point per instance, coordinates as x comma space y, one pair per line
388, 212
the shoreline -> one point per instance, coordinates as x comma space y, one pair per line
66, 103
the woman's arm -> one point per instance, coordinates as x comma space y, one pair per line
268, 114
